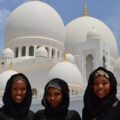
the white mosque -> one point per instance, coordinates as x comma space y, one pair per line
38, 44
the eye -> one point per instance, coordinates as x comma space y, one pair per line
57, 94
105, 83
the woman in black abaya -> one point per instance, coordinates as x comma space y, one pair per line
17, 99
56, 102
100, 101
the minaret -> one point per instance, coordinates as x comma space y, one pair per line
85, 8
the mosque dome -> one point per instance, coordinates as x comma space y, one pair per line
77, 30
36, 19
70, 58
68, 72
41, 51
4, 76
8, 53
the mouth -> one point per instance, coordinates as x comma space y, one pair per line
18, 97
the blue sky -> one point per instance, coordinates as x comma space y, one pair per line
105, 10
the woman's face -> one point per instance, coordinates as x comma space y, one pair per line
101, 87
54, 97
18, 91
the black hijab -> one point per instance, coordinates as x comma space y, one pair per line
93, 106
62, 109
12, 108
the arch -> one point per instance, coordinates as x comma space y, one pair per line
31, 51
34, 92
23, 51
38, 47
53, 53
16, 52
89, 65
104, 61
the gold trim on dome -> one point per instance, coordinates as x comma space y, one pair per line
85, 8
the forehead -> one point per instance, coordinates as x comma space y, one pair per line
100, 79
19, 81
50, 89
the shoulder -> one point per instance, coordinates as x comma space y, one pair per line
39, 114
3, 115
30, 115
74, 115
31, 112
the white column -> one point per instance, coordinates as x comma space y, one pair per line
50, 53
27, 51
35, 48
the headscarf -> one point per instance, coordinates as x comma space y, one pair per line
93, 106
17, 109
62, 109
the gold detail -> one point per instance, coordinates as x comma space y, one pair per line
85, 8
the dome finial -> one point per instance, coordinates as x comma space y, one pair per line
85, 8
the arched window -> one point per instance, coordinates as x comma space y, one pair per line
16, 52
34, 92
53, 53
31, 51
38, 46
104, 62
23, 51
89, 65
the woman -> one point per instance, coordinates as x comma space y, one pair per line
56, 102
17, 99
100, 101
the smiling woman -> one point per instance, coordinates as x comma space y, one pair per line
100, 101
56, 102
17, 99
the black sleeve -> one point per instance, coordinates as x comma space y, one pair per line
31, 115
73, 115
3, 116
39, 115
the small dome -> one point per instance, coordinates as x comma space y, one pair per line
68, 72
93, 35
41, 52
4, 78
70, 58
36, 19
8, 53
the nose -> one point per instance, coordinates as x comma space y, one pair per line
100, 86
52, 97
19, 92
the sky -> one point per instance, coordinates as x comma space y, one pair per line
105, 10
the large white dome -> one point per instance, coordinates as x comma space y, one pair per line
77, 30
68, 72
35, 18
4, 78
